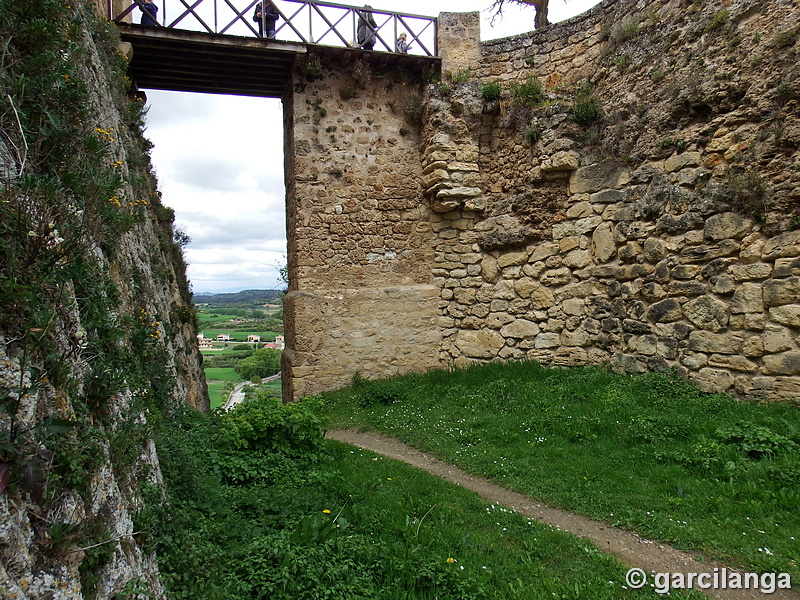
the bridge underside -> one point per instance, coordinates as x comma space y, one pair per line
189, 61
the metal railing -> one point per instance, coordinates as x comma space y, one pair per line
304, 21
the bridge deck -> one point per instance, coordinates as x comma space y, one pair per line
190, 61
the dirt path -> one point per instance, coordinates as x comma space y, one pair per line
631, 549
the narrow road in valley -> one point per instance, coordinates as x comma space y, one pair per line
237, 394
628, 547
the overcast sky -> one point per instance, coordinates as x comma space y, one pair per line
219, 161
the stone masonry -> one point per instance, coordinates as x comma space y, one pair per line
629, 199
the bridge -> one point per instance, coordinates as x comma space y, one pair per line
213, 46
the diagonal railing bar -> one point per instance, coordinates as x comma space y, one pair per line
290, 24
331, 26
190, 10
213, 16
240, 16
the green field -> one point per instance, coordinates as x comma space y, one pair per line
217, 378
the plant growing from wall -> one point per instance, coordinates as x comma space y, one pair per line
586, 107
74, 191
528, 94
491, 91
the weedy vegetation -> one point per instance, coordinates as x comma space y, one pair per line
282, 513
704, 472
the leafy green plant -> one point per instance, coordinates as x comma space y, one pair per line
533, 133
529, 94
491, 91
718, 19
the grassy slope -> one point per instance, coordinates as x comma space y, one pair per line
345, 523
704, 472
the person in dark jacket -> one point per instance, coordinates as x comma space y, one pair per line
266, 15
366, 28
149, 13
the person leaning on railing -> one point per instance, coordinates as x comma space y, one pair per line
266, 15
149, 13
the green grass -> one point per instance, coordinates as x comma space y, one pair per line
217, 379
283, 514
216, 393
706, 473
222, 373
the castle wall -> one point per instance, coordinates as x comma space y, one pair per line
361, 297
661, 234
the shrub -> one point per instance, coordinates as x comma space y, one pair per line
491, 91
265, 424
533, 133
585, 111
529, 94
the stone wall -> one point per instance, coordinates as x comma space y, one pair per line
360, 243
628, 199
660, 234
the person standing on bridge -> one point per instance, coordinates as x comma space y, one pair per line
366, 28
402, 45
266, 15
149, 13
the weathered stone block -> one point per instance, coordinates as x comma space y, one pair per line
785, 363
598, 176
707, 312
547, 340
544, 250
561, 161
556, 276
777, 339
671, 224
541, 298
504, 290
788, 314
482, 343
727, 225
782, 246
490, 269
781, 291
786, 267
520, 329
603, 245
752, 271
665, 311
579, 337
512, 258
677, 162
752, 247
733, 362
716, 343
458, 192
748, 298
753, 347
713, 380
579, 210
706, 253
655, 249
